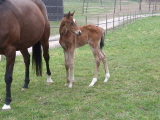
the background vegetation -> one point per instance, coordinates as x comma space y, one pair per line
132, 92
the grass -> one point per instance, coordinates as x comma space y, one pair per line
132, 92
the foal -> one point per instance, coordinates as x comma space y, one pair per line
72, 37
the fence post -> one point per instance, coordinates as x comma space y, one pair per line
127, 18
113, 22
106, 24
135, 16
118, 20
87, 7
86, 20
123, 19
83, 8
130, 17
98, 20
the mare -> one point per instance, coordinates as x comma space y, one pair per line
72, 37
23, 23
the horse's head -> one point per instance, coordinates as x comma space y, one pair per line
71, 24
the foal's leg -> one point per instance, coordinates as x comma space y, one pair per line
66, 55
69, 63
97, 59
103, 58
26, 57
45, 46
10, 59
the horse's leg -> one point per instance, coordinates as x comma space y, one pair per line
26, 57
67, 67
45, 44
46, 58
10, 59
97, 59
70, 65
103, 58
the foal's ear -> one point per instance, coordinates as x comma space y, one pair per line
72, 13
68, 15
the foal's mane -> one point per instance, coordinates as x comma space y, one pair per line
2, 1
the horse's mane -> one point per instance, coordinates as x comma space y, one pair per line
2, 1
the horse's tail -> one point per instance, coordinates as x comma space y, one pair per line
102, 40
37, 58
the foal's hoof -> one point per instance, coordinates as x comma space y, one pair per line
106, 80
107, 77
70, 86
94, 80
6, 107
66, 84
91, 85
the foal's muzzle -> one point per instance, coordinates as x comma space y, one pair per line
78, 32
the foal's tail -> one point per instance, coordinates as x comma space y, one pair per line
37, 58
102, 40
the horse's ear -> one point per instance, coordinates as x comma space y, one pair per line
73, 13
68, 15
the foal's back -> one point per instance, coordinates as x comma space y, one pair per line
91, 34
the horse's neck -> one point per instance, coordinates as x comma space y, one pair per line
63, 30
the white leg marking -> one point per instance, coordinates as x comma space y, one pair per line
107, 77
49, 79
66, 84
70, 85
6, 107
94, 80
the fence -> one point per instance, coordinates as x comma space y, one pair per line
111, 20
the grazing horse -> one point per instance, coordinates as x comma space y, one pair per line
23, 23
72, 37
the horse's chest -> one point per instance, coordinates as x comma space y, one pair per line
67, 43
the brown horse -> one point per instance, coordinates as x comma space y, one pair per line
72, 36
23, 23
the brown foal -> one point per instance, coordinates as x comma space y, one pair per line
72, 37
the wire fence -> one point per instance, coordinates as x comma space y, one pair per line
110, 20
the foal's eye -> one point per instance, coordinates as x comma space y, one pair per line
71, 23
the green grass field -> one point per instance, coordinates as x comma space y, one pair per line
132, 92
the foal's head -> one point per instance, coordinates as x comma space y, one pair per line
71, 24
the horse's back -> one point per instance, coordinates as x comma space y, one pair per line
92, 31
20, 21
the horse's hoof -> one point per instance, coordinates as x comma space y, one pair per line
23, 89
6, 107
48, 83
49, 79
